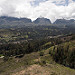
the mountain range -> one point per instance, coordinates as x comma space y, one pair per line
13, 21
42, 21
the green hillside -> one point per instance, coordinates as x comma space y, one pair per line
37, 63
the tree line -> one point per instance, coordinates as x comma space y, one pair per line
64, 55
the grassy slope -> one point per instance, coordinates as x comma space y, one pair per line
34, 64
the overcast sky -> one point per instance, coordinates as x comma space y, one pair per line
52, 9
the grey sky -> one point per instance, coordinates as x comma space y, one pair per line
52, 9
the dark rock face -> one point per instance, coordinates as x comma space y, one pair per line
42, 21
64, 21
4, 20
7, 22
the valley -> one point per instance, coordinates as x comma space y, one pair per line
37, 48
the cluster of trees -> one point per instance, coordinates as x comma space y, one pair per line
12, 49
64, 55
25, 47
34, 32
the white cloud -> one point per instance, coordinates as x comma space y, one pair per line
51, 9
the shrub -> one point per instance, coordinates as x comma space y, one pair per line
41, 53
6, 58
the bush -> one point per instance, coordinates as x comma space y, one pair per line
6, 58
41, 53
53, 73
49, 51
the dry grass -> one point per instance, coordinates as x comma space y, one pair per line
46, 70
33, 70
31, 64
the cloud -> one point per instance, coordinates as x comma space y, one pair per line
52, 9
